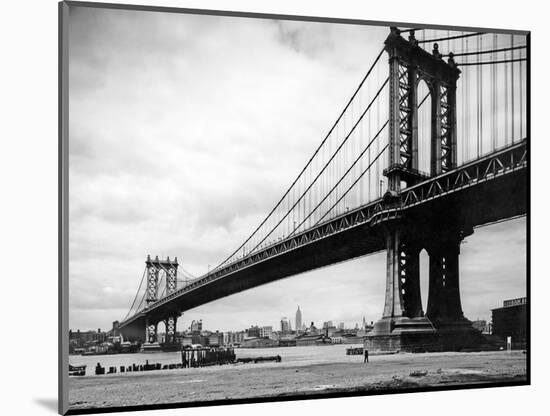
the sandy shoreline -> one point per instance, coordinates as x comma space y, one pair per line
347, 374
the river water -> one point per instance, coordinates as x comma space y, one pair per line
296, 355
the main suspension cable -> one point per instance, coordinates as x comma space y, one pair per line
513, 48
451, 37
504, 61
137, 294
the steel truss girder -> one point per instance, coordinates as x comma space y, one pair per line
476, 172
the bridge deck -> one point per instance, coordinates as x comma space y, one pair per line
486, 190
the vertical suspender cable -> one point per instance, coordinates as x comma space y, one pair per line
512, 86
326, 175
377, 175
342, 158
336, 164
320, 183
333, 175
378, 117
493, 96
351, 153
448, 45
463, 106
337, 169
348, 155
289, 219
453, 49
479, 101
308, 199
369, 125
497, 93
361, 190
506, 136
468, 107
478, 69
300, 202
521, 100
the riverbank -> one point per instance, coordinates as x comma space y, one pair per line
296, 377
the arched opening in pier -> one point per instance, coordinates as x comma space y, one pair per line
161, 332
424, 109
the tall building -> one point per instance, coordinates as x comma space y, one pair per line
298, 319
80, 339
215, 338
511, 320
253, 332
230, 338
266, 331
285, 324
196, 326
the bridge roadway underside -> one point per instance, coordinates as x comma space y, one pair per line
493, 200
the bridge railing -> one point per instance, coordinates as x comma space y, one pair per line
502, 161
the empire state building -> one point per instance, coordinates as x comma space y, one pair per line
298, 319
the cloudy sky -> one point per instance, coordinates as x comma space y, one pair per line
184, 132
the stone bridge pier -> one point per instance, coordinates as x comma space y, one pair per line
404, 326
152, 341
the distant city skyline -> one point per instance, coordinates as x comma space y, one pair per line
197, 325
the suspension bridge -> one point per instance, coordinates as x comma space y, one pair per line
432, 143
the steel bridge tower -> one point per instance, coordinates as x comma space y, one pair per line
153, 268
404, 325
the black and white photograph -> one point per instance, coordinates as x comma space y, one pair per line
264, 207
